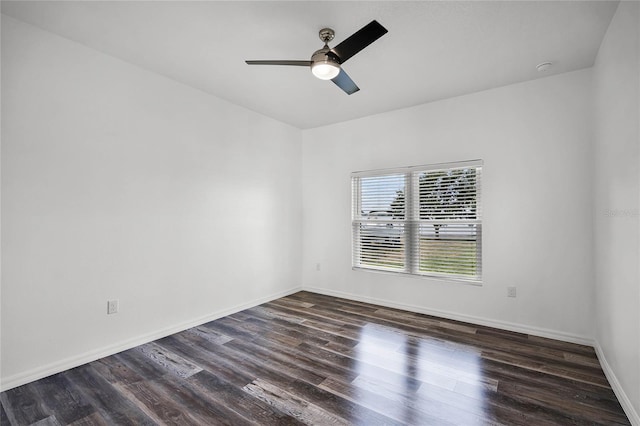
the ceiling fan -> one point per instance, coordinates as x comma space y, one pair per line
326, 62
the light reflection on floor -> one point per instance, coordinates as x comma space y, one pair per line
419, 377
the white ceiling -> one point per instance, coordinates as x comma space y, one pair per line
433, 50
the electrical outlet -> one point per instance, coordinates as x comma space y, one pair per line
511, 292
112, 307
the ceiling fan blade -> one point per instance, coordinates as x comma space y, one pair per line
344, 82
359, 40
296, 63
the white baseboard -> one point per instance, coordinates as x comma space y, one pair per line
503, 325
75, 361
627, 406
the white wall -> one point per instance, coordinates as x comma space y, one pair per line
616, 201
121, 184
534, 139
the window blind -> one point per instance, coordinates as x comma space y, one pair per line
379, 222
424, 220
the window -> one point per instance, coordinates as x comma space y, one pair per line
424, 220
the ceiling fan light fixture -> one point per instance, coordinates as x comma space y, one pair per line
324, 64
325, 70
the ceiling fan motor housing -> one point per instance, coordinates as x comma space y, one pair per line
325, 55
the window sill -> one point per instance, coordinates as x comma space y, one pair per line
469, 281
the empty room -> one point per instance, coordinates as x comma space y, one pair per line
320, 212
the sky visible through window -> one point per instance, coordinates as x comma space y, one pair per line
379, 192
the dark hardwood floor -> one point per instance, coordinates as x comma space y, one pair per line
319, 360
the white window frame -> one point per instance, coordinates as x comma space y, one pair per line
406, 231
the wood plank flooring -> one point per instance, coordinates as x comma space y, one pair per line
314, 359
